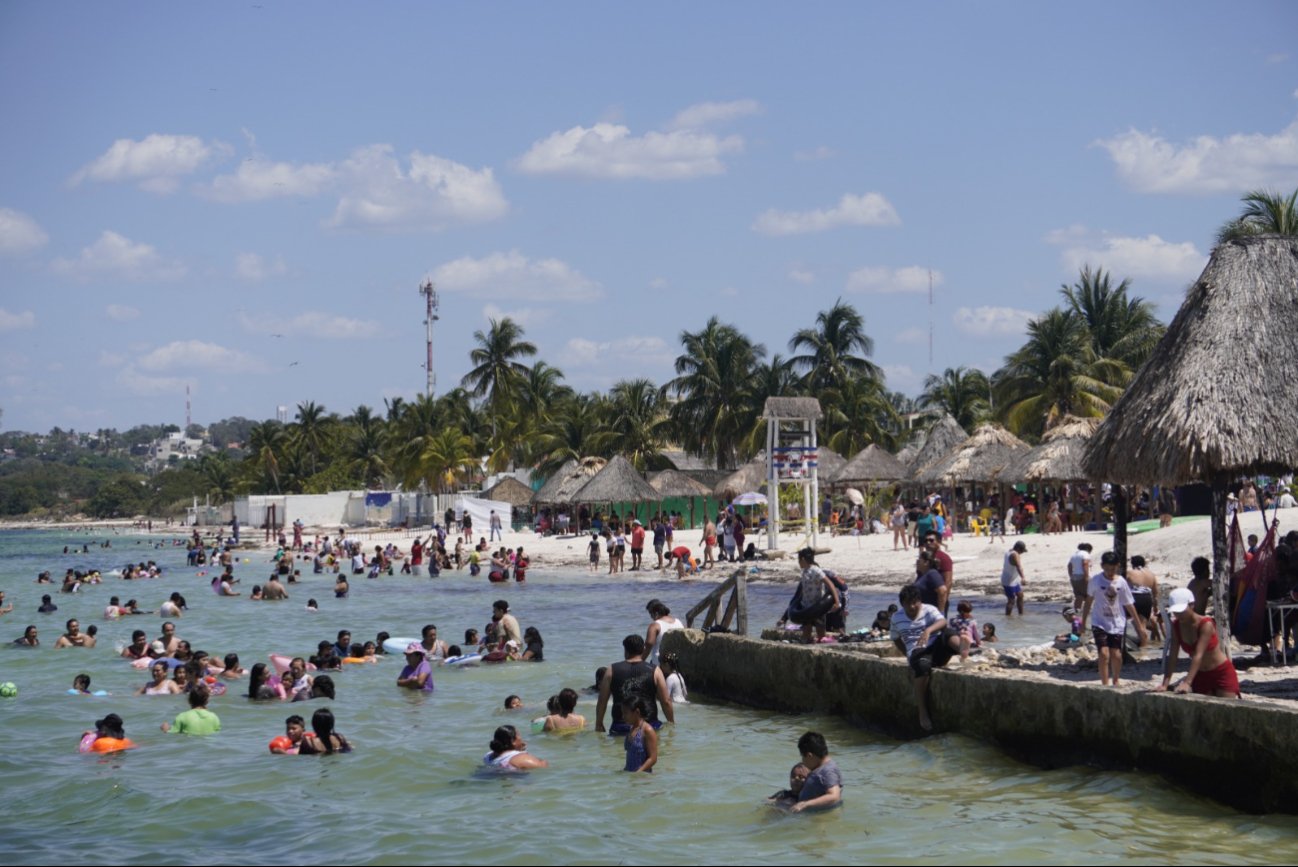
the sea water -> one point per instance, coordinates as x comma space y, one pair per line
413, 790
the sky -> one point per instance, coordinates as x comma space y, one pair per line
243, 199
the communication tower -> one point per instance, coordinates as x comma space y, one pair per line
430, 295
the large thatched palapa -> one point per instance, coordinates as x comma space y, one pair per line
942, 438
871, 464
750, 477
828, 463
618, 482
980, 458
1219, 390
674, 483
1059, 456
1214, 399
509, 490
560, 487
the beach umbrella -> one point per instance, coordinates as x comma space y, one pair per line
855, 496
752, 498
1212, 401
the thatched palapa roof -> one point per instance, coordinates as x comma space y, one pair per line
750, 477
1218, 392
792, 407
942, 437
871, 464
980, 458
828, 463
674, 483
560, 487
1059, 456
509, 490
618, 482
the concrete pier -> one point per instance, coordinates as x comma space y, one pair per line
1242, 753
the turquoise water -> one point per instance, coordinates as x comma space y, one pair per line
412, 791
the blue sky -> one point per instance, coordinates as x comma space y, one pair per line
182, 182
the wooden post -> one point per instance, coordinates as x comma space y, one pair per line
1220, 566
1120, 517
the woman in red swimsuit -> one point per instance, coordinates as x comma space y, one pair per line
1211, 671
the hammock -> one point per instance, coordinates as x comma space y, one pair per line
1248, 620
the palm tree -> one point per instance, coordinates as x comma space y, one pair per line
1055, 373
961, 393
714, 409
445, 458
497, 374
219, 476
367, 448
1265, 213
266, 442
571, 434
858, 413
311, 431
836, 350
636, 426
1121, 328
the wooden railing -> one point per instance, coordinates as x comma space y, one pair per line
736, 607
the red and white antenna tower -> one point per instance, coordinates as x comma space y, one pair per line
188, 419
430, 294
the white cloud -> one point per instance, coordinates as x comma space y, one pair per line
871, 209
1149, 257
1277, 57
432, 194
912, 279
708, 113
121, 312
802, 275
901, 377
581, 352
313, 323
528, 317
608, 150
156, 162
16, 321
730, 291
514, 276
992, 321
911, 336
197, 355
659, 283
19, 233
253, 267
114, 255
110, 359
258, 178
148, 386
1239, 162
821, 152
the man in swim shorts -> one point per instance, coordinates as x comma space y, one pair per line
632, 678
1079, 573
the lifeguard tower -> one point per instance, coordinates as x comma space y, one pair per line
791, 458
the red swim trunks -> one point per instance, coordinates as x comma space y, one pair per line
1220, 679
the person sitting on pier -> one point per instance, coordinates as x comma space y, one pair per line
921, 634
1211, 671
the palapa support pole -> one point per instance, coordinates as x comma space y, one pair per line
1120, 520
1220, 567
772, 485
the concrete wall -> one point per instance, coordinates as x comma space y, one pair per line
1242, 753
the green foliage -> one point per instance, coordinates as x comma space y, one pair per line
1265, 212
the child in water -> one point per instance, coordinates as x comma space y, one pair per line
641, 742
785, 797
989, 633
1073, 636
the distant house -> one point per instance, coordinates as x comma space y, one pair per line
172, 448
